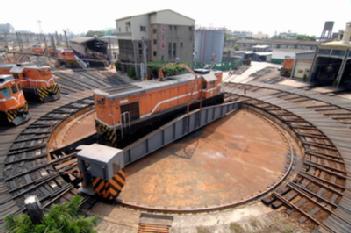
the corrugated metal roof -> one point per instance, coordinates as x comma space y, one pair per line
263, 53
337, 45
83, 40
263, 46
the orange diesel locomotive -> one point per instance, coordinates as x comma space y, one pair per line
37, 81
126, 113
13, 106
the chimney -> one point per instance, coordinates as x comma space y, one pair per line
347, 33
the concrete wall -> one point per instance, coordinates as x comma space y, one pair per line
161, 28
137, 22
129, 28
209, 45
123, 31
182, 36
302, 68
126, 52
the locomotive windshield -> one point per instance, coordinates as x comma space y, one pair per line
5, 92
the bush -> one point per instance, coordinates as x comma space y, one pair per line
63, 218
173, 69
131, 73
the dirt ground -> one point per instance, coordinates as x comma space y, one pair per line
252, 218
73, 130
227, 162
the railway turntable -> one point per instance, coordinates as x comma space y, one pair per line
262, 144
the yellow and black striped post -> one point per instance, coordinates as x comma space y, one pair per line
42, 93
109, 189
11, 115
109, 134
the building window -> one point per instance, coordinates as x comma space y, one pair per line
142, 28
154, 31
154, 53
170, 50
174, 50
119, 29
181, 44
190, 28
154, 42
170, 27
175, 28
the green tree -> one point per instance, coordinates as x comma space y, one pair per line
62, 218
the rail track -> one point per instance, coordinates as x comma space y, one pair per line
320, 192
27, 169
24, 162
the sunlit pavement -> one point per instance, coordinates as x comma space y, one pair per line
245, 77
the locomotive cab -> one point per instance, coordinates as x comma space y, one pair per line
101, 169
13, 106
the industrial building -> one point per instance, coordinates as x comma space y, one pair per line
91, 50
261, 48
6, 28
112, 48
164, 35
209, 45
332, 65
247, 44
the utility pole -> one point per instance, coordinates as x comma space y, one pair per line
53, 45
18, 39
65, 31
145, 60
43, 36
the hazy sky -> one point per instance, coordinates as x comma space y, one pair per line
303, 16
